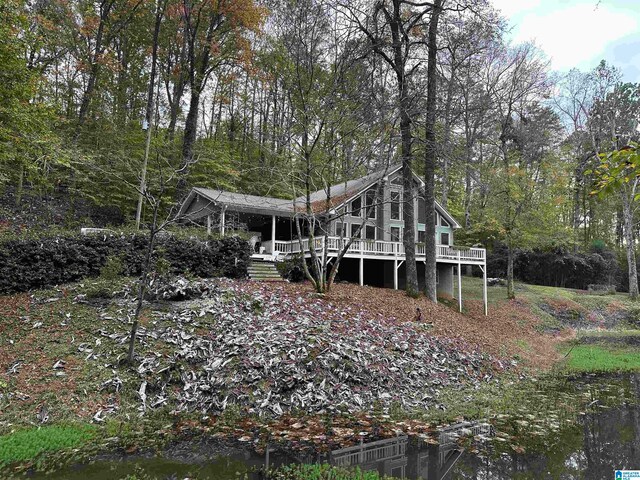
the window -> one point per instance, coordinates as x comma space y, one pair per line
444, 238
370, 232
354, 229
396, 200
370, 198
395, 234
397, 180
436, 217
422, 211
341, 230
422, 236
356, 207
443, 222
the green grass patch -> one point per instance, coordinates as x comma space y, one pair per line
27, 444
323, 472
601, 358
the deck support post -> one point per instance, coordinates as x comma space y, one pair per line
395, 273
222, 220
484, 289
208, 224
273, 233
459, 283
361, 270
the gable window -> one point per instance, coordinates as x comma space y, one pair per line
356, 207
436, 216
444, 238
370, 198
370, 232
397, 180
395, 234
443, 222
396, 200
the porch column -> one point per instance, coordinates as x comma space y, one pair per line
273, 233
222, 220
484, 289
208, 224
361, 271
459, 283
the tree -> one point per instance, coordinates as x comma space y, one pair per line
393, 30
619, 174
217, 33
431, 156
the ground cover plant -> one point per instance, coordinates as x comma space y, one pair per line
27, 444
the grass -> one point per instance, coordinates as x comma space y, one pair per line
323, 472
27, 444
601, 358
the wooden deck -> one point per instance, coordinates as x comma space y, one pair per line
377, 249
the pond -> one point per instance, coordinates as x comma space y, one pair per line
600, 441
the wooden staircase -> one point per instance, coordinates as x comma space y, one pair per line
264, 271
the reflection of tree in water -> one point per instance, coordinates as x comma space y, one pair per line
605, 441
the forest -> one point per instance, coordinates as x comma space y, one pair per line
118, 107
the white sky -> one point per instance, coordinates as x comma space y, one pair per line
579, 33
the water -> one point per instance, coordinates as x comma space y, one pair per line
600, 442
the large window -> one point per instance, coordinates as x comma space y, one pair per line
354, 229
395, 234
444, 238
422, 211
370, 198
396, 202
422, 236
341, 230
356, 207
370, 232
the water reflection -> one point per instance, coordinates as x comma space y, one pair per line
401, 457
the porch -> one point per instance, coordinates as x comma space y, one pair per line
374, 249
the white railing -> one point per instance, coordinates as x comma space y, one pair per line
380, 248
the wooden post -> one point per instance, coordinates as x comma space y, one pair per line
361, 270
484, 289
208, 224
273, 233
395, 273
222, 220
459, 283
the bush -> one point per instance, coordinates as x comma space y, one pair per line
37, 263
291, 269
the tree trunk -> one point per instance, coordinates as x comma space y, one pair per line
630, 246
511, 294
189, 139
149, 109
431, 158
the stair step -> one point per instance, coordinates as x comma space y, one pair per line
264, 271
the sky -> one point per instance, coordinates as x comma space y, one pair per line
579, 33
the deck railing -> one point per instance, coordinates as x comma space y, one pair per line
379, 248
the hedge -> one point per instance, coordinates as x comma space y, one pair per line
558, 268
39, 263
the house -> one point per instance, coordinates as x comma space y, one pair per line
375, 258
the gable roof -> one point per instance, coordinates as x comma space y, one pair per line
340, 194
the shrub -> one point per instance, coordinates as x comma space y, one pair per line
291, 269
36, 263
